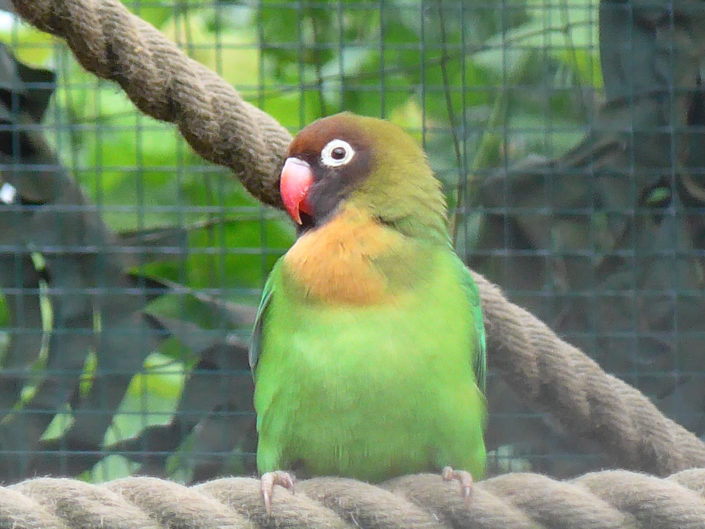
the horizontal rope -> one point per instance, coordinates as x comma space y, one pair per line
603, 500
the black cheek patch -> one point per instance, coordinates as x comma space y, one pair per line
307, 223
333, 184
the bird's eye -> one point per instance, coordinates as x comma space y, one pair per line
337, 153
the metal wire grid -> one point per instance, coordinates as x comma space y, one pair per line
505, 99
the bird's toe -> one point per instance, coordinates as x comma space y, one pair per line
267, 482
463, 477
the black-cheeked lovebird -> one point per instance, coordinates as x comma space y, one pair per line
368, 351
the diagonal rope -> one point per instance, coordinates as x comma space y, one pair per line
164, 83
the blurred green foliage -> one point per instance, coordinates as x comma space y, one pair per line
482, 84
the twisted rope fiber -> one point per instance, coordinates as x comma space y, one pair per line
603, 500
113, 43
589, 403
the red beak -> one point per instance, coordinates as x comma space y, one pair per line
296, 180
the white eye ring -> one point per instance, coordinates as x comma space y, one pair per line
331, 159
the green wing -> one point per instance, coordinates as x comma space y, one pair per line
256, 340
480, 358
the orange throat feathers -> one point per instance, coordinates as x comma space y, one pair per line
335, 263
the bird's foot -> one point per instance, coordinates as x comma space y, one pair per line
267, 482
465, 479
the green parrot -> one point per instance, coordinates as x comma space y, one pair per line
368, 351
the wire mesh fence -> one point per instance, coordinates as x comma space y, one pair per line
567, 134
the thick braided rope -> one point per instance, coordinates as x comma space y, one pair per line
603, 500
114, 44
588, 402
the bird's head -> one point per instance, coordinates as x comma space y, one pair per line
366, 162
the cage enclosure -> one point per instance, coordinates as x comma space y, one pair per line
567, 134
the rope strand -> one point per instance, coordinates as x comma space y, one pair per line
601, 500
